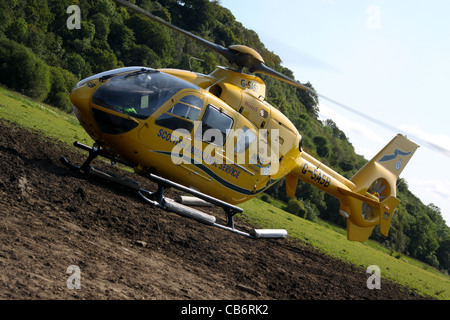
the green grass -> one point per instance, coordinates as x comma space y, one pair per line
323, 236
403, 270
51, 121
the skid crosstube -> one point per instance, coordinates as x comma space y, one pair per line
166, 203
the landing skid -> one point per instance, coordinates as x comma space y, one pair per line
157, 198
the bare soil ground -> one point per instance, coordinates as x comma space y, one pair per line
52, 218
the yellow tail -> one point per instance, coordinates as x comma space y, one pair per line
376, 181
369, 197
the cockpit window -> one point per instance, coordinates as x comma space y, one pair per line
193, 101
185, 111
182, 115
139, 94
215, 127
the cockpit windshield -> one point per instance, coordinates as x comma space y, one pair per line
140, 93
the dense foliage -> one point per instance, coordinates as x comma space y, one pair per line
42, 58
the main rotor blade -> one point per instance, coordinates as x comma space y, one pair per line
216, 47
261, 68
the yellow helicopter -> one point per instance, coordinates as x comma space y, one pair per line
214, 136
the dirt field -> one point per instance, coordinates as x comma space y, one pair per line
52, 218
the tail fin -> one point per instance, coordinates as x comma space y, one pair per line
373, 200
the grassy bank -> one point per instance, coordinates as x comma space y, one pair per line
401, 269
51, 121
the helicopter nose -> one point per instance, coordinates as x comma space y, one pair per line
80, 98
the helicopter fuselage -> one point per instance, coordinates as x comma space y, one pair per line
136, 114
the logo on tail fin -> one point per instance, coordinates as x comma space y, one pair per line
394, 156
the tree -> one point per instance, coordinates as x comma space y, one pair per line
77, 65
121, 38
443, 252
197, 14
104, 7
141, 55
101, 23
153, 35
296, 207
309, 100
18, 30
322, 147
102, 60
423, 244
337, 133
21, 70
209, 62
62, 81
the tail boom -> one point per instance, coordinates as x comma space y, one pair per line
369, 197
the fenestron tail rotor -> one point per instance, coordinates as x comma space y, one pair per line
379, 189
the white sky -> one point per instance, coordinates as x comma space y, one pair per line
389, 59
